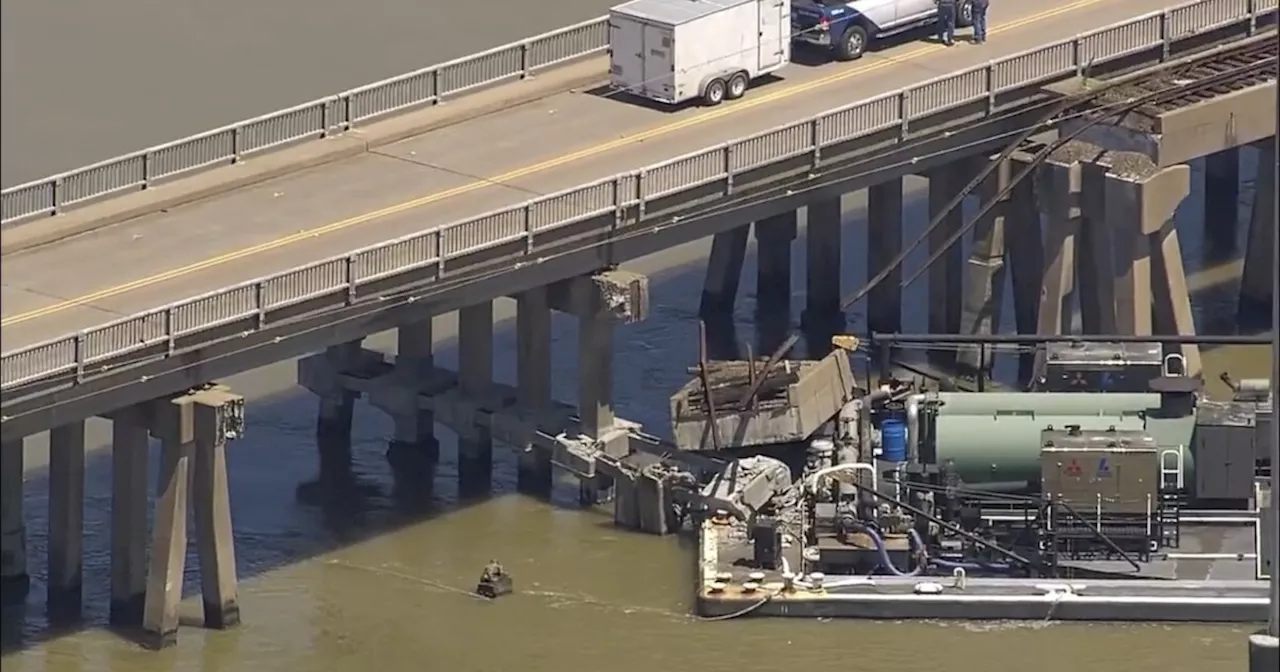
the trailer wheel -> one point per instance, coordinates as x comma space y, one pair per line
853, 44
714, 93
738, 84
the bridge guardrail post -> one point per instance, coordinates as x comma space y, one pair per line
259, 300
527, 215
815, 139
235, 143
344, 120
350, 278
727, 162
904, 114
1164, 36
78, 357
170, 346
641, 178
56, 191
991, 88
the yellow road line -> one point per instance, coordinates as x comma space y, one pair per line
626, 140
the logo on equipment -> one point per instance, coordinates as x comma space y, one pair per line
1104, 468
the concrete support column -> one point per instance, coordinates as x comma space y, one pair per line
415, 436
1255, 284
773, 278
333, 424
946, 274
1172, 301
1095, 286
215, 543
1221, 202
130, 446
1024, 257
1132, 215
1058, 185
66, 519
533, 364
175, 426
822, 313
984, 274
724, 272
884, 242
475, 374
595, 390
14, 581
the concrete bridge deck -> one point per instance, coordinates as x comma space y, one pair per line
455, 173
218, 287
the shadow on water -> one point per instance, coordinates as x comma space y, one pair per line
275, 528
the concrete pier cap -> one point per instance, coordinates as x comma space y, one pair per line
1173, 136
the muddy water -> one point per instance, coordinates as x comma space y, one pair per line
378, 581
85, 81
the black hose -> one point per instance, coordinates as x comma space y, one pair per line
885, 560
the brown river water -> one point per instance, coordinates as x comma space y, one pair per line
378, 581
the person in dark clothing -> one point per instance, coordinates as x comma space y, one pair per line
947, 21
979, 8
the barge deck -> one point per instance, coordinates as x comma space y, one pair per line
1212, 577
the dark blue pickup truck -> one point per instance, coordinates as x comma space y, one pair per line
848, 27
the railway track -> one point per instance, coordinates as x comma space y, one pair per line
1232, 70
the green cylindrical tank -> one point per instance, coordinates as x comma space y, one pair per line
995, 437
1004, 447
1051, 403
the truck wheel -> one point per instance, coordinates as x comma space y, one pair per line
737, 86
964, 13
853, 44
714, 93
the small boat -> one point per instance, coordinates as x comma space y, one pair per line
494, 581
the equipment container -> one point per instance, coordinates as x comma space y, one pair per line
1101, 472
671, 51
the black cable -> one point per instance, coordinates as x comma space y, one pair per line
1097, 114
1097, 117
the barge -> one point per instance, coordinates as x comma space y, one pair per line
903, 502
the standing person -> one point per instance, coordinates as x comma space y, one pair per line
946, 21
979, 8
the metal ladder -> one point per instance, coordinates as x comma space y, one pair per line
1172, 484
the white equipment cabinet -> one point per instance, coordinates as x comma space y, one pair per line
676, 50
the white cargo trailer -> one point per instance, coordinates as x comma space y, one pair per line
676, 50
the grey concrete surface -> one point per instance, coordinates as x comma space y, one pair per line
465, 170
85, 81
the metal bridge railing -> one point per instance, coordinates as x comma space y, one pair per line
441, 253
322, 118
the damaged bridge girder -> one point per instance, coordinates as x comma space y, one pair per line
494, 409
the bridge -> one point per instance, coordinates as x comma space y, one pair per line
308, 229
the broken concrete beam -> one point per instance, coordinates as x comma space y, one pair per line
621, 296
494, 410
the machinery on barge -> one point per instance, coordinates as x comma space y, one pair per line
905, 481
